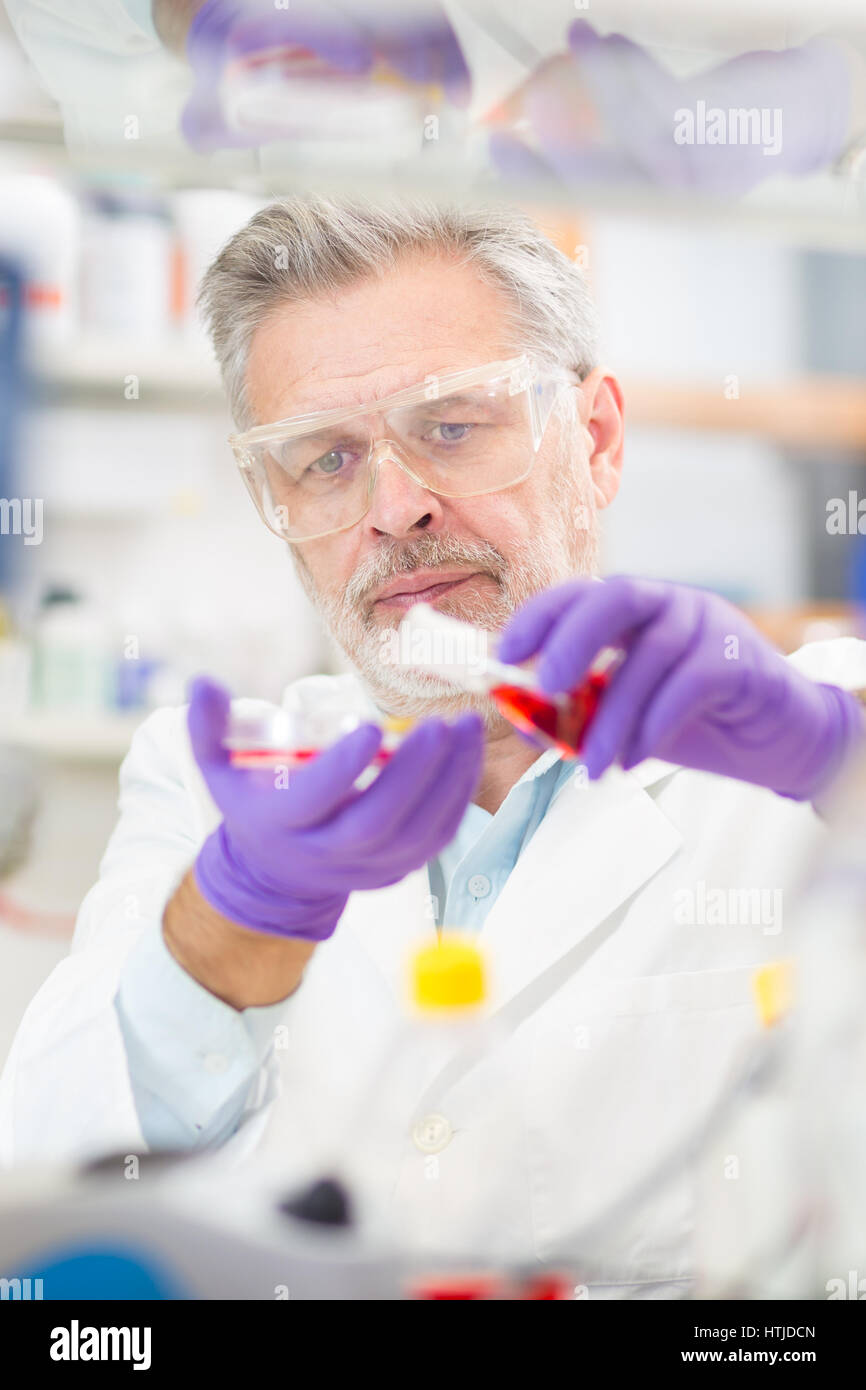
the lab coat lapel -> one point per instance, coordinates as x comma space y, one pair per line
597, 845
390, 923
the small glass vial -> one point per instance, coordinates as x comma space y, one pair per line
283, 737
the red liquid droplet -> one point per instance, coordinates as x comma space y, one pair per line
562, 725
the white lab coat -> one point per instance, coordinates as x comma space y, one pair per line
621, 1020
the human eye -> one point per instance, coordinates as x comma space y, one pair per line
458, 421
453, 422
327, 465
449, 432
335, 462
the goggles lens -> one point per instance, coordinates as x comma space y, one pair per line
474, 438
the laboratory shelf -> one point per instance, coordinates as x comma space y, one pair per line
172, 372
814, 410
72, 737
823, 411
824, 210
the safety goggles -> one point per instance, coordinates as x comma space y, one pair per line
460, 435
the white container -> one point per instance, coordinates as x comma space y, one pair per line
126, 269
15, 675
40, 230
205, 219
71, 657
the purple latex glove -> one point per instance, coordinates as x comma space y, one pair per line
350, 35
285, 859
613, 117
699, 685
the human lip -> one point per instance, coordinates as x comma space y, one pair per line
421, 587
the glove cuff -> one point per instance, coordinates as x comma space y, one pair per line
843, 729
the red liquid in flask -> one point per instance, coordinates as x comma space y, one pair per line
565, 724
289, 757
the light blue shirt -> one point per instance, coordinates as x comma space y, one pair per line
193, 1059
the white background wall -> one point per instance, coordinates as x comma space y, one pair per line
689, 303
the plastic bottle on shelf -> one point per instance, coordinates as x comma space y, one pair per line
137, 645
126, 267
71, 663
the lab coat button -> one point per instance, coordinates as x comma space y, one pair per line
432, 1134
479, 885
215, 1063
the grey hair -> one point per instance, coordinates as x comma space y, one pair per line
308, 245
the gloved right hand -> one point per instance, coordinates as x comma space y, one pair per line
285, 858
611, 114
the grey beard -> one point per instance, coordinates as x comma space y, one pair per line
406, 691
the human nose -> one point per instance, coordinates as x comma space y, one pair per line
400, 503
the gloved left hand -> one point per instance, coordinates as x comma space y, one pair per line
698, 685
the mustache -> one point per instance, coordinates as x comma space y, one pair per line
424, 553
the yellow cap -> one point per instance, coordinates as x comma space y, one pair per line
448, 974
397, 724
774, 991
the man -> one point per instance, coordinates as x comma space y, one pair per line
422, 416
